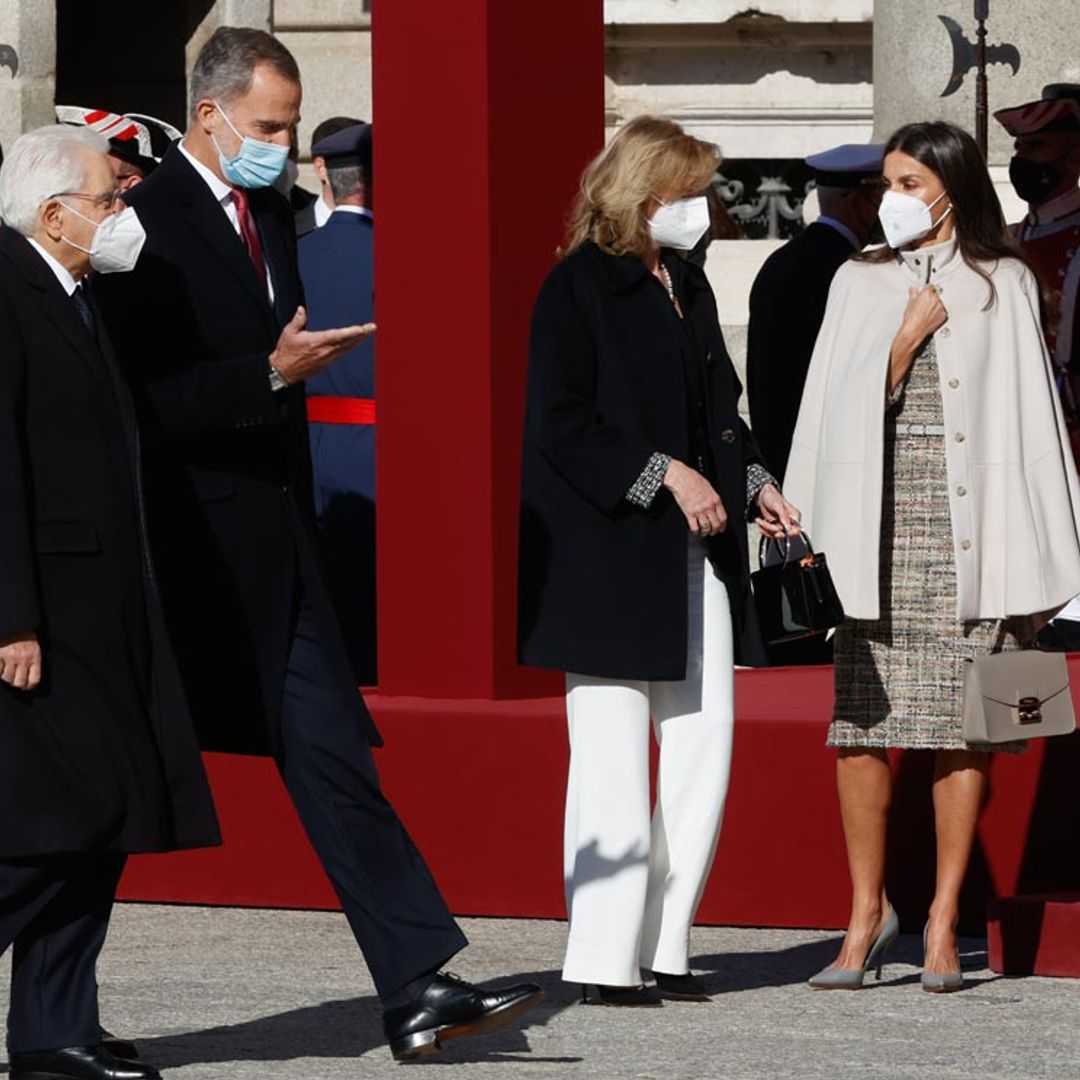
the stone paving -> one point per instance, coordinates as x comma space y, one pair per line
262, 995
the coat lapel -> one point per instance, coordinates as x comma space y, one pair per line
211, 225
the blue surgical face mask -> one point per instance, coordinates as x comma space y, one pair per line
257, 164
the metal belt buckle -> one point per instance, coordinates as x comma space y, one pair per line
1030, 710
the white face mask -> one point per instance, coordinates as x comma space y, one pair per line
117, 241
906, 218
681, 224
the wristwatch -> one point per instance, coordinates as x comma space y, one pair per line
277, 380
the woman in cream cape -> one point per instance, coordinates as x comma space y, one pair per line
931, 461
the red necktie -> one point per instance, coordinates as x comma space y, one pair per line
248, 233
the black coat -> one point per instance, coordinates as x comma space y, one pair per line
787, 305
602, 584
101, 756
229, 470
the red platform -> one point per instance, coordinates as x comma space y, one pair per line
781, 857
1035, 935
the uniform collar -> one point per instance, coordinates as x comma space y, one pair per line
1049, 212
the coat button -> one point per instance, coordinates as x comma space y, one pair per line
727, 435
945, 331
961, 491
966, 545
954, 383
959, 436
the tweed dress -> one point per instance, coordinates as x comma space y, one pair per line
899, 678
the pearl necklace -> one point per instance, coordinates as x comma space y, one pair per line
665, 278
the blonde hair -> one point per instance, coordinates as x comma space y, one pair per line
649, 158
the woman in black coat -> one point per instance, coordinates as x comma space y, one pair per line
634, 572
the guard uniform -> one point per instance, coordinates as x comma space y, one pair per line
336, 266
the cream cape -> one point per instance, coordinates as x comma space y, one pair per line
1013, 490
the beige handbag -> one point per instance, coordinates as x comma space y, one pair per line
1010, 696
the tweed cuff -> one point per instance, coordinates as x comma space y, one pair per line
645, 487
757, 476
895, 394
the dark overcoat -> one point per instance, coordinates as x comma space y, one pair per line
337, 265
602, 584
101, 756
787, 305
229, 488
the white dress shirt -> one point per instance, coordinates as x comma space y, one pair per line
363, 211
322, 212
63, 275
224, 194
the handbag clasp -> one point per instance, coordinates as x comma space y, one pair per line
1030, 710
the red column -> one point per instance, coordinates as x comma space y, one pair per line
485, 114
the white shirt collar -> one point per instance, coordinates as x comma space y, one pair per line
63, 274
322, 212
363, 211
842, 229
218, 188
1060, 207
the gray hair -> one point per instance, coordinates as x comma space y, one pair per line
345, 181
226, 64
43, 163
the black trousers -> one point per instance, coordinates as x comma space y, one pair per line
55, 912
395, 909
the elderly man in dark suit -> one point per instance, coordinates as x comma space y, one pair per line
336, 267
221, 391
98, 756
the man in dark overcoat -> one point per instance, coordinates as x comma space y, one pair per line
787, 300
787, 305
337, 271
98, 757
232, 521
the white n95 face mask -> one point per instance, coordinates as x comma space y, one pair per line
906, 218
681, 224
117, 241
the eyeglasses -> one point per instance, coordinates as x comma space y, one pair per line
106, 201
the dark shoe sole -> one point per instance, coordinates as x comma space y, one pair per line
427, 1042
671, 995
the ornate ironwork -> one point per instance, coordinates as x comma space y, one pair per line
765, 197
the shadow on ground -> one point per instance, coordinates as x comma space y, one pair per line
350, 1028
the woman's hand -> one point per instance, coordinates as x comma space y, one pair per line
924, 315
778, 518
697, 499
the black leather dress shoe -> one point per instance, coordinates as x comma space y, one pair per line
77, 1063
450, 1008
124, 1049
686, 987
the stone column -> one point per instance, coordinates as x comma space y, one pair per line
331, 40
28, 44
913, 59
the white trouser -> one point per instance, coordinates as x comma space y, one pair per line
632, 887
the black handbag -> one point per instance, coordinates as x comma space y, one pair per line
793, 590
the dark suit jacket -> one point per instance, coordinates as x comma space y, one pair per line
229, 487
602, 584
787, 305
102, 755
302, 202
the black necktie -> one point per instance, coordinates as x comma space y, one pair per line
83, 307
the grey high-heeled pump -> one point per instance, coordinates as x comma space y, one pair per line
932, 981
834, 978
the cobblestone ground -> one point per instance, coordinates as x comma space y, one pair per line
263, 995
